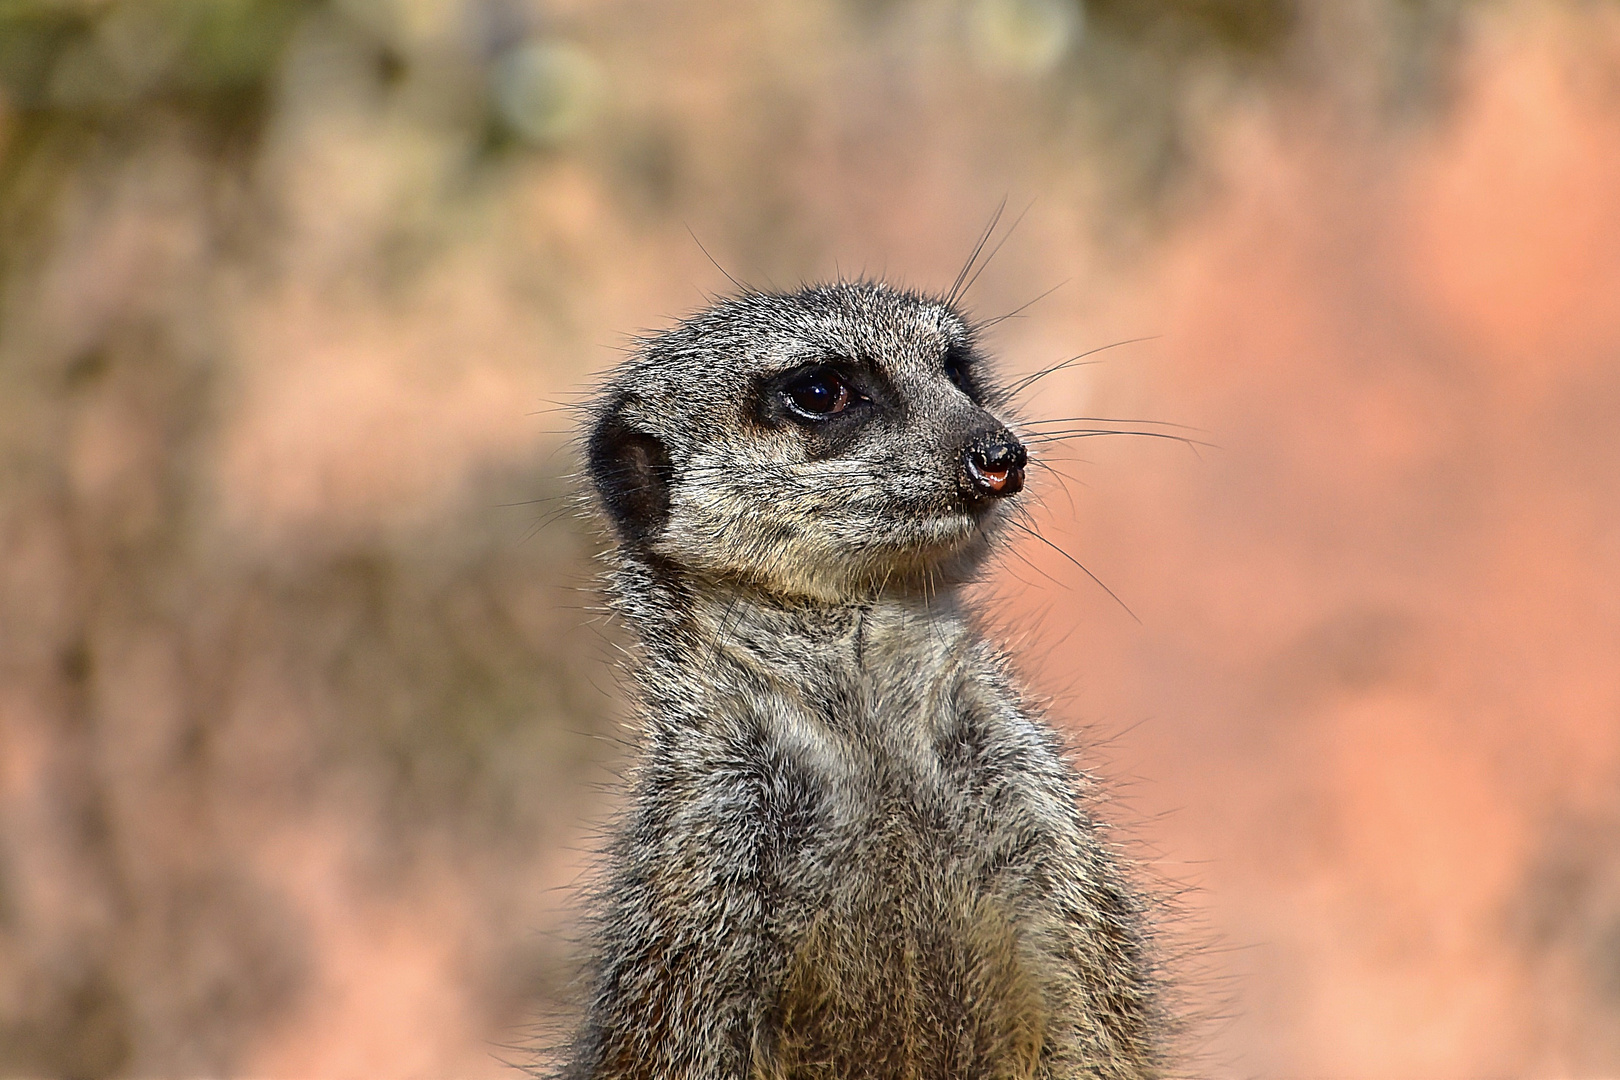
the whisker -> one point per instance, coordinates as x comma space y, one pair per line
536, 502
1063, 482
973, 257
546, 522
1048, 437
1107, 420
1074, 361
1027, 561
1019, 525
561, 406
744, 289
1020, 309
999, 244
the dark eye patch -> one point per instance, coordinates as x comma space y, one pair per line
958, 365
831, 402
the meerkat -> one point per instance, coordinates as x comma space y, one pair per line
851, 847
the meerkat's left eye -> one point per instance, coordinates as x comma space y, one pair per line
956, 370
819, 393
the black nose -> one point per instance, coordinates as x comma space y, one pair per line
993, 466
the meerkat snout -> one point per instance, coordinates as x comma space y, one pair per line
993, 466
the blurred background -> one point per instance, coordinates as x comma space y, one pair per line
307, 716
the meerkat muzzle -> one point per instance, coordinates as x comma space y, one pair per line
994, 467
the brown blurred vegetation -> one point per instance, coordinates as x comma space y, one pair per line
305, 714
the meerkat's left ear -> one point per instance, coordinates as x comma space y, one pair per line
632, 473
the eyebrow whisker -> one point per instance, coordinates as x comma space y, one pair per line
1020, 309
957, 287
1074, 361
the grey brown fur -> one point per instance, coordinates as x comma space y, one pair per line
851, 848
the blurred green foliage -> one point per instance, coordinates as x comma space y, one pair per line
1254, 28
102, 59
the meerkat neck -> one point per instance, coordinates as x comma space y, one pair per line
722, 640
664, 607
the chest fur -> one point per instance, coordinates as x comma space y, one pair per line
903, 956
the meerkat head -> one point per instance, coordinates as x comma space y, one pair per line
828, 444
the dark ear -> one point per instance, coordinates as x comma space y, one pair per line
632, 474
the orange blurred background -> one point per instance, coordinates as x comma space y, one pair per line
307, 714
